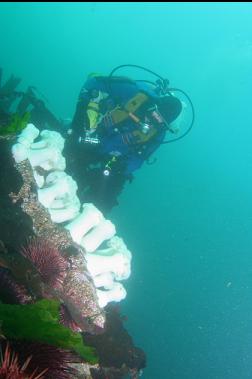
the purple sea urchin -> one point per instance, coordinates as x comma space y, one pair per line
33, 358
47, 260
11, 368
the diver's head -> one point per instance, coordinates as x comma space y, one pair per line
169, 108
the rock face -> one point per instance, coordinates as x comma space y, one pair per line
23, 217
38, 158
78, 291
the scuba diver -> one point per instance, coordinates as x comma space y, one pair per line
117, 125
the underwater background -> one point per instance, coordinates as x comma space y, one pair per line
187, 218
